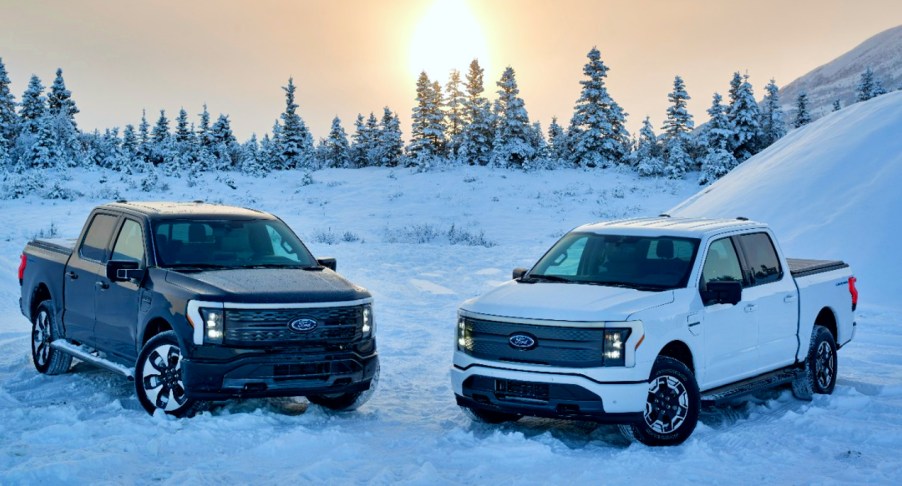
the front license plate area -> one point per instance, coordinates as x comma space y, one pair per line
521, 390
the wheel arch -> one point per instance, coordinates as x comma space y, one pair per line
827, 319
679, 351
156, 325
40, 294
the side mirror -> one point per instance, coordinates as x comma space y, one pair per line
519, 273
123, 270
725, 292
329, 263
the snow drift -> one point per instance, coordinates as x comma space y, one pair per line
832, 189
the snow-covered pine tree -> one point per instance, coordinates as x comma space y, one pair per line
33, 106
869, 86
649, 155
718, 159
143, 137
454, 112
251, 159
773, 125
203, 129
183, 133
335, 150
436, 129
598, 137
478, 133
294, 141
130, 142
837, 105
44, 152
427, 125
371, 144
361, 142
803, 117
743, 116
225, 146
677, 129
59, 99
513, 145
557, 145
268, 152
390, 146
160, 131
9, 122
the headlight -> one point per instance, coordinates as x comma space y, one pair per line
464, 342
613, 352
369, 324
213, 325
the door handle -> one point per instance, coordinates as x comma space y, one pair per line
751, 308
789, 298
72, 275
101, 285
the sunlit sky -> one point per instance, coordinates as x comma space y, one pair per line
356, 56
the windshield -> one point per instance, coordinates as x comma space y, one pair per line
641, 262
204, 244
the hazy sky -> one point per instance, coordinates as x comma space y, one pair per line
349, 57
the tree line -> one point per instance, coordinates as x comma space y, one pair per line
451, 124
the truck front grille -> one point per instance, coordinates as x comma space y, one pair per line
571, 347
255, 327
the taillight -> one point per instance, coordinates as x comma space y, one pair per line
22, 269
854, 292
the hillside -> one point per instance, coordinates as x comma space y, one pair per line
830, 190
838, 78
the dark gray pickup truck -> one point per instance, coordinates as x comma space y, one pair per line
199, 302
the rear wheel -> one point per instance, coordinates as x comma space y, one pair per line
819, 374
672, 408
47, 360
158, 376
340, 402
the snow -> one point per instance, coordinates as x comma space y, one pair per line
87, 426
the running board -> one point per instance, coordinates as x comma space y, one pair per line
750, 385
87, 355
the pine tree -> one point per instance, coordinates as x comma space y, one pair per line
478, 131
677, 128
390, 145
557, 144
803, 117
251, 159
130, 141
359, 142
718, 159
44, 152
743, 116
160, 132
203, 131
598, 137
33, 107
59, 100
512, 146
335, 149
837, 105
9, 122
648, 157
294, 141
454, 114
869, 86
773, 127
183, 134
427, 134
225, 146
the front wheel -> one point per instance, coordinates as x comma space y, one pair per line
158, 376
46, 359
672, 408
341, 402
819, 374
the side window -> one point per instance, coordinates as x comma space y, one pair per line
566, 263
97, 237
130, 243
761, 258
721, 264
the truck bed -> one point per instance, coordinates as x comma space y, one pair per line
801, 267
59, 245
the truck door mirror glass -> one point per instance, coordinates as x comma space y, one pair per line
519, 273
329, 263
123, 270
724, 292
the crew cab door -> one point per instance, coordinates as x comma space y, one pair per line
117, 302
772, 297
81, 278
730, 331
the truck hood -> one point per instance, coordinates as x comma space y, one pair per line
565, 302
268, 285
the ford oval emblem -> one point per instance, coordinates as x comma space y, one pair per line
522, 341
303, 325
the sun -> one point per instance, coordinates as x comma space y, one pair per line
447, 37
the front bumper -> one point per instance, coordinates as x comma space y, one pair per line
550, 395
278, 374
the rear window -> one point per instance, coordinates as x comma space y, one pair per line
97, 237
761, 258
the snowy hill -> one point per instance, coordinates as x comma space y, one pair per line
830, 190
837, 79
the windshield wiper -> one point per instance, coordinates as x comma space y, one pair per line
627, 285
531, 278
199, 266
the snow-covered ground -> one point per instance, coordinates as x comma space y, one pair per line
87, 426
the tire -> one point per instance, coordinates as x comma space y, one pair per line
158, 377
489, 417
819, 374
47, 360
346, 402
672, 408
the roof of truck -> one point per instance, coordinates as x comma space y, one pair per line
665, 225
169, 209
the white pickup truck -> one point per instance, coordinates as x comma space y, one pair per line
638, 322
